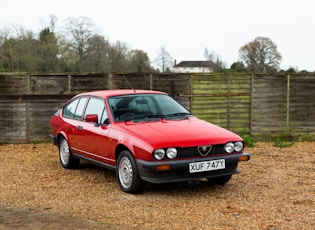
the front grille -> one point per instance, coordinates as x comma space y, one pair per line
193, 152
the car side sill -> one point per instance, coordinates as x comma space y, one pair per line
95, 162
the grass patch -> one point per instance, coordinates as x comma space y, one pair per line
248, 139
282, 143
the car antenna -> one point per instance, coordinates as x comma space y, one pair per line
128, 83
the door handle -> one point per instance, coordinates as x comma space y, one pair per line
79, 127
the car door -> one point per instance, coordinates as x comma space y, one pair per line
72, 115
94, 136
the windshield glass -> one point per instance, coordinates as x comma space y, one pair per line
145, 106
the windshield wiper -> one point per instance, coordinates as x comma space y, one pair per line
139, 118
148, 116
154, 117
177, 115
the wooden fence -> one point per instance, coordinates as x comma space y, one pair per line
283, 105
259, 104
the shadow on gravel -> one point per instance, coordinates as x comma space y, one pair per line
33, 219
193, 186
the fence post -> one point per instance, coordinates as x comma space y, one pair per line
69, 83
27, 137
27, 121
288, 104
28, 84
151, 81
229, 103
251, 105
110, 81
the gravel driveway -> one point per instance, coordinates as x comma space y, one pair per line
276, 190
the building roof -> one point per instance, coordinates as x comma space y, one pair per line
195, 64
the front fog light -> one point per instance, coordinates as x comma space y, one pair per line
159, 154
171, 153
238, 146
229, 147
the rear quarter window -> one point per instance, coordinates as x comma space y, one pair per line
75, 109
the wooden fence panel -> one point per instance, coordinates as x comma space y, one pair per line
128, 81
176, 85
13, 122
269, 106
13, 84
302, 104
82, 83
39, 115
47, 84
222, 99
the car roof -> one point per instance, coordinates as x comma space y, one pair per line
119, 92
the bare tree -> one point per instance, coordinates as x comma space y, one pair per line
119, 57
164, 60
99, 60
79, 31
209, 55
216, 64
260, 54
50, 23
139, 62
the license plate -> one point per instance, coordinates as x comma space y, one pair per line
206, 166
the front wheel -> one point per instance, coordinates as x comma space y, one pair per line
127, 174
66, 157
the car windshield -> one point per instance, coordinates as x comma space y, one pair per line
146, 107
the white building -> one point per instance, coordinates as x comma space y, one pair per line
193, 67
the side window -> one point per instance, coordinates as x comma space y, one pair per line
96, 106
69, 110
75, 108
80, 107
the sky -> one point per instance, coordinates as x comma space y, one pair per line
184, 27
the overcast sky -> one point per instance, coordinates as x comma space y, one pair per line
184, 27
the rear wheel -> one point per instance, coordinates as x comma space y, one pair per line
127, 174
219, 180
66, 157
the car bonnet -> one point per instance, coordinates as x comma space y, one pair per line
179, 133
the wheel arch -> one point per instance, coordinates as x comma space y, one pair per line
136, 152
120, 148
139, 149
61, 135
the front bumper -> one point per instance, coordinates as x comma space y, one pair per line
179, 169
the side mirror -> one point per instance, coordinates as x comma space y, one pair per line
92, 118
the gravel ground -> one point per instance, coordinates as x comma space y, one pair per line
275, 190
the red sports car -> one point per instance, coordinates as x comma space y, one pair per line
145, 136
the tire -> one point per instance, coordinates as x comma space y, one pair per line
219, 180
127, 174
65, 155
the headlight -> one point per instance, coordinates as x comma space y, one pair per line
238, 146
159, 154
171, 153
229, 147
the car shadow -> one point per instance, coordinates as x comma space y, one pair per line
183, 187
194, 186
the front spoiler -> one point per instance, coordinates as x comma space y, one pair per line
179, 169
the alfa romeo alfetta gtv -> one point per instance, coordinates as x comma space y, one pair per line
144, 136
